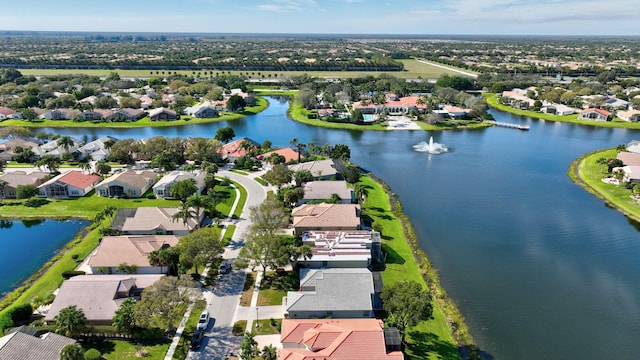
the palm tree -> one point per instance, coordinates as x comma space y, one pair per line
66, 142
199, 202
70, 321
247, 146
185, 213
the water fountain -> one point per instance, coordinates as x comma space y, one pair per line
430, 147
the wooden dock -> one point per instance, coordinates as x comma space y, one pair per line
508, 125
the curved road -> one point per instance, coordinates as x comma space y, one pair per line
225, 298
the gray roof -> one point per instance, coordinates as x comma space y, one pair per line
315, 190
333, 290
21, 345
16, 178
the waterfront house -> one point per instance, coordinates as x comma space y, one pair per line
594, 114
153, 221
629, 115
6, 113
58, 114
327, 217
73, 183
338, 339
288, 154
342, 249
10, 181
98, 296
202, 111
321, 169
8, 148
235, 149
98, 149
54, 148
631, 173
126, 114
94, 115
323, 190
24, 343
130, 250
128, 183
162, 114
162, 189
634, 146
629, 158
334, 293
393, 104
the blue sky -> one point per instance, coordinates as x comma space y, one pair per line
509, 17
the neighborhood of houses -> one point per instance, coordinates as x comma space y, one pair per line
332, 313
87, 111
588, 107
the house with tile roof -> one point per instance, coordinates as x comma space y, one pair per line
10, 181
205, 110
629, 158
336, 339
342, 249
327, 217
95, 114
321, 169
126, 114
333, 293
234, 150
162, 189
152, 221
130, 183
629, 115
8, 148
594, 114
73, 183
393, 104
162, 114
6, 113
131, 250
98, 296
54, 148
322, 190
97, 149
24, 343
288, 153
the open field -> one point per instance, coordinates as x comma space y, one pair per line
412, 69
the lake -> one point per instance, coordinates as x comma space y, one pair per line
539, 268
28, 244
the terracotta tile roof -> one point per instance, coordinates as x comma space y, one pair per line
288, 153
326, 215
78, 179
133, 250
233, 149
335, 339
600, 111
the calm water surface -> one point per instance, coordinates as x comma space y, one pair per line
27, 244
540, 268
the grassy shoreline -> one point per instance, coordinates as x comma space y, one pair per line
585, 173
261, 104
492, 101
446, 335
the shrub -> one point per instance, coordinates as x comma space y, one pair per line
72, 273
75, 256
92, 354
151, 196
5, 322
20, 313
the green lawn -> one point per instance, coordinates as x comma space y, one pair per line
121, 349
588, 174
265, 327
492, 100
270, 297
412, 69
430, 339
243, 199
298, 113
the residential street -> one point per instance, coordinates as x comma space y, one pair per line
224, 301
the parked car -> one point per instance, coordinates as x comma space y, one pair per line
224, 268
196, 339
203, 322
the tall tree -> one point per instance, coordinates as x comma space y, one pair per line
225, 134
279, 175
70, 321
164, 303
185, 213
200, 247
183, 189
249, 347
66, 142
406, 303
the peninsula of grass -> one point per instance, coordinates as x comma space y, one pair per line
587, 173
492, 101
432, 339
261, 104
